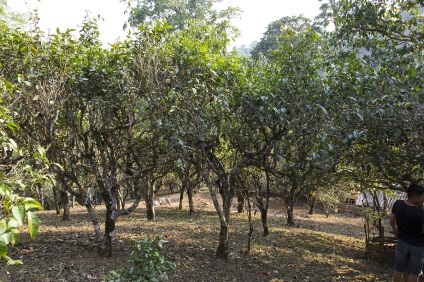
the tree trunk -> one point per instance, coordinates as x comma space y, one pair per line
66, 212
150, 209
250, 234
312, 202
41, 193
64, 201
190, 199
226, 207
105, 248
180, 207
290, 213
264, 218
94, 221
110, 198
148, 195
118, 202
56, 198
240, 200
222, 250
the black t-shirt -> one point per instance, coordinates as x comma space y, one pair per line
410, 223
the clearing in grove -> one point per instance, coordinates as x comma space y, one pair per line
318, 248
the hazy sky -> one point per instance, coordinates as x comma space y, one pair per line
69, 14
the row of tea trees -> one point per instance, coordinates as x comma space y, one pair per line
122, 117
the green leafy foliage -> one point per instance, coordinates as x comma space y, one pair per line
147, 263
15, 211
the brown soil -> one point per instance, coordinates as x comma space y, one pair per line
316, 249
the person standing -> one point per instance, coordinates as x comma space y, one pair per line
407, 222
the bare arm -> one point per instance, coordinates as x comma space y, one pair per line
393, 223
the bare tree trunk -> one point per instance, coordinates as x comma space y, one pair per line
150, 210
180, 207
290, 199
240, 200
110, 198
249, 216
312, 200
148, 195
190, 199
64, 201
41, 193
290, 213
224, 215
226, 206
90, 209
105, 248
118, 201
222, 250
94, 221
264, 218
56, 198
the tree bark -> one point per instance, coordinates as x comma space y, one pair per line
264, 218
148, 195
312, 202
190, 199
150, 209
110, 198
250, 234
41, 194
222, 250
290, 213
240, 200
56, 198
180, 207
95, 221
105, 248
64, 201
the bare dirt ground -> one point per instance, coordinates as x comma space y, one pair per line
316, 249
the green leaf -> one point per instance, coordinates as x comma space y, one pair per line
59, 166
13, 144
15, 234
11, 125
19, 214
13, 261
7, 237
8, 85
3, 248
30, 203
3, 226
4, 189
12, 223
42, 152
32, 224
